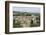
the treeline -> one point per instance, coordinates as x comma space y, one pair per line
21, 14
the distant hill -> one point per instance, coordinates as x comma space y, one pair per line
17, 13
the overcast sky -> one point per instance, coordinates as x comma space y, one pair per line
27, 9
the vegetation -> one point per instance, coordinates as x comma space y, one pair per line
21, 14
16, 25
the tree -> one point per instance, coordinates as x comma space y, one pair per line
16, 25
31, 21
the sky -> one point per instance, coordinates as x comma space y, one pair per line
27, 9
